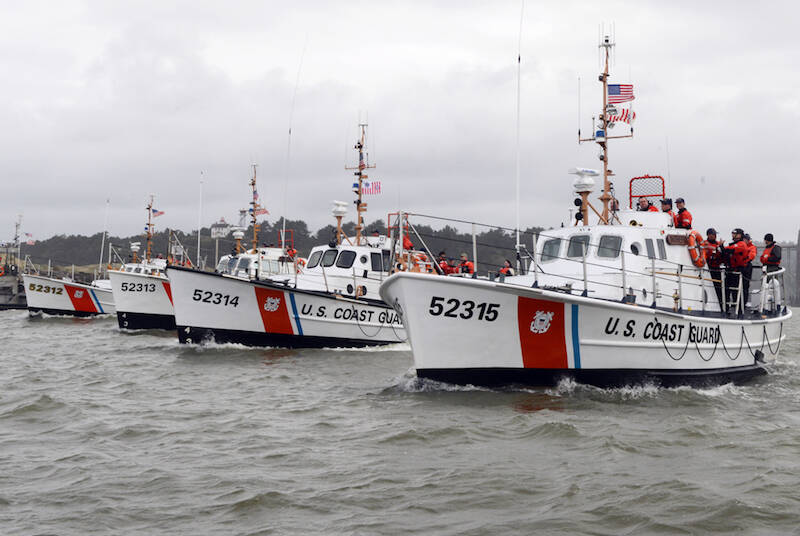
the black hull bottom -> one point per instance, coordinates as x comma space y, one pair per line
145, 321
80, 314
250, 338
500, 377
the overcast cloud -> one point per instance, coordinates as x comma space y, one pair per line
122, 100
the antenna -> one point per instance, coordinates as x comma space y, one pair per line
289, 142
103, 241
519, 83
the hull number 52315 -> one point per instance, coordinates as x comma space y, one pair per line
466, 309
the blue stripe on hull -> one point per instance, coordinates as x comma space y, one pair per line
576, 343
99, 307
296, 316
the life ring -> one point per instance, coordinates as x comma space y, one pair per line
696, 251
301, 263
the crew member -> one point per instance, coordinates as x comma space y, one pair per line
752, 253
737, 252
666, 207
714, 257
443, 264
683, 219
291, 252
771, 257
466, 266
506, 269
407, 243
646, 206
771, 261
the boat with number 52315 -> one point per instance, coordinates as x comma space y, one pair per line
627, 300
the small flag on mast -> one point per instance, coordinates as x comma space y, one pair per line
157, 213
618, 93
625, 115
30, 240
361, 165
371, 188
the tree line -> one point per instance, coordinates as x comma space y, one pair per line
493, 244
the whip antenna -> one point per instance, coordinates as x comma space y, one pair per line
519, 77
289, 143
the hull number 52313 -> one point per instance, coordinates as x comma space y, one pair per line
466, 309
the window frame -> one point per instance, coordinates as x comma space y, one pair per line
314, 259
333, 259
578, 238
616, 251
549, 257
342, 255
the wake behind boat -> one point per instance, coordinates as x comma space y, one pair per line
628, 300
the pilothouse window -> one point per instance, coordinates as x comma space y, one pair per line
651, 251
346, 259
376, 262
609, 247
328, 257
578, 246
314, 259
551, 249
662, 249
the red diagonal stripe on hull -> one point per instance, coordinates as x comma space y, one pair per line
168, 289
545, 349
81, 299
274, 313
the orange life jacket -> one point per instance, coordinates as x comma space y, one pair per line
713, 254
652, 208
752, 251
739, 252
466, 267
683, 220
505, 270
768, 258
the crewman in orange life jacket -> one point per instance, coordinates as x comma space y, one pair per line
646, 206
666, 207
737, 253
714, 257
443, 264
771, 257
683, 219
507, 268
466, 266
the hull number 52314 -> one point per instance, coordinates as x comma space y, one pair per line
217, 298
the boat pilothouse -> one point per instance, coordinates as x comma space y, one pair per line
331, 300
625, 299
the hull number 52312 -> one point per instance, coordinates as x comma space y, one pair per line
466, 309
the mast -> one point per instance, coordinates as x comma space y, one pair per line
103, 241
255, 206
601, 137
363, 158
149, 234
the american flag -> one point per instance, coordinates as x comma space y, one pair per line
625, 115
371, 188
618, 93
157, 213
30, 240
255, 195
361, 164
260, 211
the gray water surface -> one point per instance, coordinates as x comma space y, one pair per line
104, 432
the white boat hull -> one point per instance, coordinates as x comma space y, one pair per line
490, 333
143, 301
59, 297
258, 313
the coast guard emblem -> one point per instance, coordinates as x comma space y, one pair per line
272, 304
78, 294
541, 322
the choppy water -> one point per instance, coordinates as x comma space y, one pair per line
103, 432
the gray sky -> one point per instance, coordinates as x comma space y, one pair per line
124, 99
